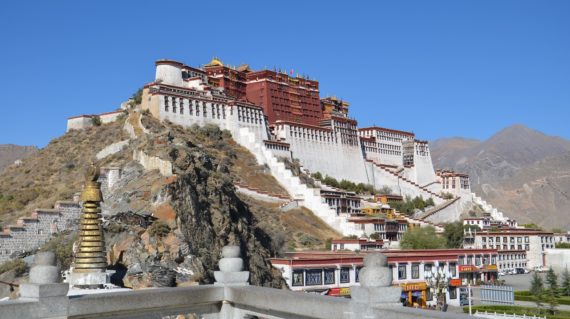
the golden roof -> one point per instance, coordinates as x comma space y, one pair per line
215, 62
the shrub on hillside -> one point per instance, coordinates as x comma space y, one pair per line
18, 265
96, 120
158, 229
62, 245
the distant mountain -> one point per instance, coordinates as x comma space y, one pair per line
9, 153
521, 171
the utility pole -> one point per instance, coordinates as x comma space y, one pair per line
469, 298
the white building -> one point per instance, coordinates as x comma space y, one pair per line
463, 267
512, 259
328, 273
533, 242
363, 244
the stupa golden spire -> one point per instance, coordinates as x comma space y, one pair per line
90, 255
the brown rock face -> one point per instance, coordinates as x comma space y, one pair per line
212, 216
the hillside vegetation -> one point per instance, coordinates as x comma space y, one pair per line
54, 172
166, 231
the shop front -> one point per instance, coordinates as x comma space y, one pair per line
469, 274
414, 294
489, 273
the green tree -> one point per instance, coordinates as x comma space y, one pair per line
565, 288
552, 301
453, 233
96, 120
537, 289
552, 282
531, 226
562, 245
317, 175
422, 238
375, 236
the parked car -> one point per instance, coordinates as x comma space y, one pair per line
540, 269
501, 273
519, 271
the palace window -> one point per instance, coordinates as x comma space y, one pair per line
356, 274
298, 279
427, 267
415, 271
452, 293
453, 269
344, 275
166, 104
329, 277
314, 277
401, 271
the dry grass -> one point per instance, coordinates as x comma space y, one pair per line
55, 172
250, 173
294, 226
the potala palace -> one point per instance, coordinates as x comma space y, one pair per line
279, 116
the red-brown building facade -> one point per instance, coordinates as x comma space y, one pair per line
285, 98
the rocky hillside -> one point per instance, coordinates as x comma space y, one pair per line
523, 172
168, 230
9, 153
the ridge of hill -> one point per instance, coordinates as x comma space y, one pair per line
521, 171
196, 211
9, 153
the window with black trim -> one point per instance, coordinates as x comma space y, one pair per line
329, 277
415, 271
452, 293
314, 277
401, 271
298, 279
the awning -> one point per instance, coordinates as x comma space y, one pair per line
455, 282
489, 268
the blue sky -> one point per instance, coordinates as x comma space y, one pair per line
438, 68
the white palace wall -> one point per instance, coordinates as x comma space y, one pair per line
423, 166
320, 150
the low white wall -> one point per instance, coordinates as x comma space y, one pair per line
112, 149
152, 162
558, 259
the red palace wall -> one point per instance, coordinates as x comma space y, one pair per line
284, 98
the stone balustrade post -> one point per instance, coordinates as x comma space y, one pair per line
45, 287
375, 288
230, 274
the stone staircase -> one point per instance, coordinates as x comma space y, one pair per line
306, 196
488, 208
420, 189
438, 208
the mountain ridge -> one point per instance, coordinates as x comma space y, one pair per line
521, 171
9, 153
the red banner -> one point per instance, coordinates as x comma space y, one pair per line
455, 282
468, 268
339, 292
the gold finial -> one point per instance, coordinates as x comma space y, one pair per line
91, 256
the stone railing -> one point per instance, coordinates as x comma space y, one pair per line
230, 297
